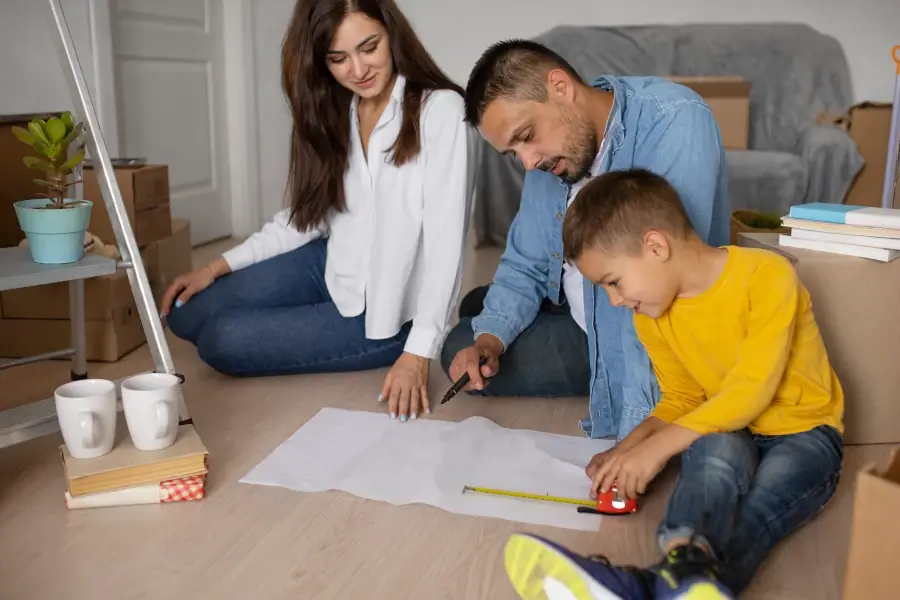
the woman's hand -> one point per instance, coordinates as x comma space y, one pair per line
406, 387
188, 284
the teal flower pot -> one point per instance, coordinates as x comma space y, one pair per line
55, 235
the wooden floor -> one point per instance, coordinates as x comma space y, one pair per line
253, 542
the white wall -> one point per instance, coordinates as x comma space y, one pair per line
31, 78
867, 29
270, 21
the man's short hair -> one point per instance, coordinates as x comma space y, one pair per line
511, 69
614, 211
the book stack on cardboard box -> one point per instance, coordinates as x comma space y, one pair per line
128, 476
865, 232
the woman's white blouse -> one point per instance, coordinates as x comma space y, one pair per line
396, 252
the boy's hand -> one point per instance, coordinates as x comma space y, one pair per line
643, 431
631, 471
600, 459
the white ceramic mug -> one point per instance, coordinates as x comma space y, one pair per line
86, 411
151, 409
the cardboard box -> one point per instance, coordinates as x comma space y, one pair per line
169, 258
869, 125
145, 194
873, 561
103, 296
729, 100
36, 319
106, 340
16, 180
857, 304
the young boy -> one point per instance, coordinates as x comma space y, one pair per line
749, 400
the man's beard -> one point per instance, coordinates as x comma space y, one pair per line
582, 148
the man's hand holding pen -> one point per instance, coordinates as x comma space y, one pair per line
469, 361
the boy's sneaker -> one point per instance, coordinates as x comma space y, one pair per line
689, 572
542, 570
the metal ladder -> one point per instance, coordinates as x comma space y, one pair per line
17, 270
891, 170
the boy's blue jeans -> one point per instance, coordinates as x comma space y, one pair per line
742, 493
276, 317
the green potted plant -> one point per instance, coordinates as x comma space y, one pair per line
751, 221
54, 224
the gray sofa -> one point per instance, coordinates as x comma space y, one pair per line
796, 74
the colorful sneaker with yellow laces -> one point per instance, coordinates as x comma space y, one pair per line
542, 570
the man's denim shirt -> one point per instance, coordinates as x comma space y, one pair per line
655, 125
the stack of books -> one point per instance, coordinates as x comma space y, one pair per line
128, 476
861, 231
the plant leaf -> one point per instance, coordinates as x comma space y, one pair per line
73, 162
52, 152
37, 131
44, 183
73, 135
40, 147
67, 120
56, 130
23, 135
37, 163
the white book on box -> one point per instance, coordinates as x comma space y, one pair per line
879, 232
844, 238
872, 216
879, 254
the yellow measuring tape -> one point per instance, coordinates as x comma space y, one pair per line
545, 498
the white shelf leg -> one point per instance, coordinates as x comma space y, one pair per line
76, 319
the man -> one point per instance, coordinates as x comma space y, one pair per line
530, 103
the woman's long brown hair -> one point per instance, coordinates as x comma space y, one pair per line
320, 106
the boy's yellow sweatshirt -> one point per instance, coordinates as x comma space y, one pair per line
745, 353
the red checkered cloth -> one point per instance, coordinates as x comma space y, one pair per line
184, 489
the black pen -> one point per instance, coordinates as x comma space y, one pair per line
461, 382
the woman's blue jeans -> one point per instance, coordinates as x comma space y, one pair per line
277, 318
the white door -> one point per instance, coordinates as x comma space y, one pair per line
170, 102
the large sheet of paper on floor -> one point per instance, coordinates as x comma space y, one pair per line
429, 461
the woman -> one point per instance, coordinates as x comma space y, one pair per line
363, 270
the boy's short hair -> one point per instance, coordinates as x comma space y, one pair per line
512, 69
614, 211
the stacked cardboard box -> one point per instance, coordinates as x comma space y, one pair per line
869, 125
729, 100
36, 320
145, 194
872, 560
